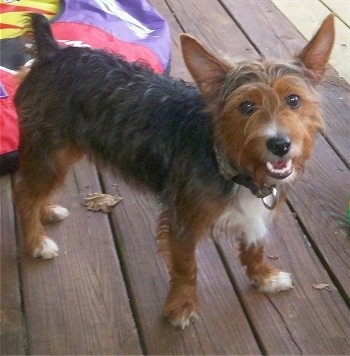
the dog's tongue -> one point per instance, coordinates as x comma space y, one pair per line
279, 169
279, 165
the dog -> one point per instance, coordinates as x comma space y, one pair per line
231, 144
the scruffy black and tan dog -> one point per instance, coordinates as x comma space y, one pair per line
233, 147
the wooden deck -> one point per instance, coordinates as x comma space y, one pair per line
104, 293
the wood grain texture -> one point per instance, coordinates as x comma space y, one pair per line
211, 24
12, 328
320, 201
77, 303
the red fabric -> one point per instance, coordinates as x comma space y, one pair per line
9, 134
96, 38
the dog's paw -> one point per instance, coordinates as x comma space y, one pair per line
184, 321
56, 213
277, 282
180, 313
47, 249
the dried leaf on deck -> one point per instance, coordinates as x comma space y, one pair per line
322, 286
102, 202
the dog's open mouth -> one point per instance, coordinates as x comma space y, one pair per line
279, 169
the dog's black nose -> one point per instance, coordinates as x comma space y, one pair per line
279, 145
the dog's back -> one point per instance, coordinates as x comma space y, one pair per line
121, 112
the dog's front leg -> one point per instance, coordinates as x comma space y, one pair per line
181, 305
265, 278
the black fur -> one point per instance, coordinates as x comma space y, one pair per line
152, 127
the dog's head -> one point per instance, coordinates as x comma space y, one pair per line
265, 113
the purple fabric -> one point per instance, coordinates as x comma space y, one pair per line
128, 20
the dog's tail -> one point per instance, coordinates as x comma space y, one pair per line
39, 29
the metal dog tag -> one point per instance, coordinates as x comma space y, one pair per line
271, 200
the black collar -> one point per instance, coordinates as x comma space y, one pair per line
229, 172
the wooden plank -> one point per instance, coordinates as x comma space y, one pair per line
12, 331
176, 61
308, 321
341, 8
77, 303
222, 327
265, 15
321, 200
210, 23
275, 36
307, 15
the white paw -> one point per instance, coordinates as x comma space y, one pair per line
47, 249
58, 213
184, 321
277, 283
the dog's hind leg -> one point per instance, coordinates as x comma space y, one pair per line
39, 177
29, 207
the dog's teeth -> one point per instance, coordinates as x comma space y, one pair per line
269, 166
285, 169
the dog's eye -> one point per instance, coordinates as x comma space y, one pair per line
293, 101
247, 107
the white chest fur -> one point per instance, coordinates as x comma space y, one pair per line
247, 216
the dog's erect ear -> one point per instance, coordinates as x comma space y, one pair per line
207, 70
316, 54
